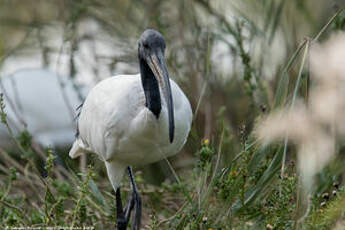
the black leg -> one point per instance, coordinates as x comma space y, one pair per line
135, 202
121, 220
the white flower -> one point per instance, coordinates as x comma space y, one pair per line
314, 128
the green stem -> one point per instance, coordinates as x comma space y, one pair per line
298, 82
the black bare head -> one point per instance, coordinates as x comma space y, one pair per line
150, 41
151, 49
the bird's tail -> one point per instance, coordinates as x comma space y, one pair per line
76, 150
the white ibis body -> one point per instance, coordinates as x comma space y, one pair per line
132, 120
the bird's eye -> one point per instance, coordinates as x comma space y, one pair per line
146, 45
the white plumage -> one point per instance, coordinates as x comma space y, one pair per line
116, 125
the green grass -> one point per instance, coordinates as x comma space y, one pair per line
209, 196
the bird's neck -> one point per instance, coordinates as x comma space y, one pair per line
151, 89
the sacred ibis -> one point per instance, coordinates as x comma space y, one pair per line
132, 120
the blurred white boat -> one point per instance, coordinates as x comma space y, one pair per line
43, 103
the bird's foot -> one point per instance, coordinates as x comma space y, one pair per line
122, 220
134, 204
122, 223
136, 221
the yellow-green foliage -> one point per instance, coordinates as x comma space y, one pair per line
333, 213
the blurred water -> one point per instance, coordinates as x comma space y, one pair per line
42, 102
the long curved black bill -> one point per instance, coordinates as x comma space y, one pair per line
158, 66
